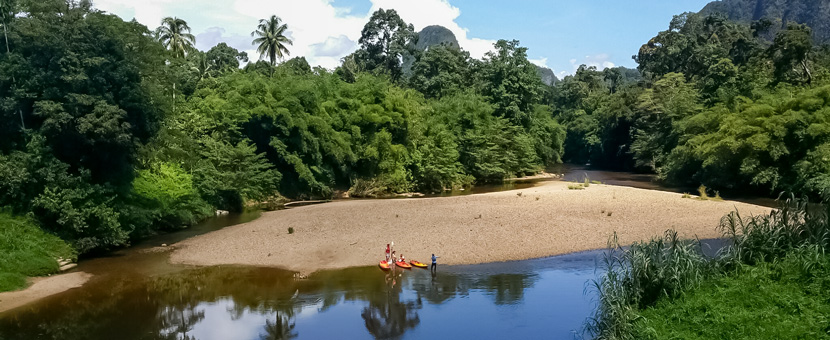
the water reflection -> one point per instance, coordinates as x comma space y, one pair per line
387, 314
264, 303
507, 288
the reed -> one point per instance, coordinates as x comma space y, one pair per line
667, 267
637, 277
797, 223
702, 195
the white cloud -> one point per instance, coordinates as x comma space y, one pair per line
600, 61
334, 47
321, 32
436, 12
541, 62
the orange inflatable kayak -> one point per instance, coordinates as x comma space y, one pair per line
403, 265
384, 265
418, 264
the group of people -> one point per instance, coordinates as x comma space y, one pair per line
391, 256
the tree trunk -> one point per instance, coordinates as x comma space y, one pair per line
9, 51
6, 35
807, 71
174, 97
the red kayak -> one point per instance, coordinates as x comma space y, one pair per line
384, 265
418, 264
403, 265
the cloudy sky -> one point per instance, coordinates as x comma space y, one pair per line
560, 34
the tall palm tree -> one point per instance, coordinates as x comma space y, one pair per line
271, 39
174, 33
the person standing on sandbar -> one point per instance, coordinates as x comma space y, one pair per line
434, 262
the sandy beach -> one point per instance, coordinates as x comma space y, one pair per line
541, 221
42, 287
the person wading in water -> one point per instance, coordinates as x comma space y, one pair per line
434, 265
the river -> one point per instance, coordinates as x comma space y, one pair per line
137, 294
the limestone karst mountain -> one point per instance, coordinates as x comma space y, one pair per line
813, 13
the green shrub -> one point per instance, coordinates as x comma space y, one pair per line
167, 191
11, 281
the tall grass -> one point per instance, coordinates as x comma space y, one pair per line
638, 276
667, 267
796, 224
26, 250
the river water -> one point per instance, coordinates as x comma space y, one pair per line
540, 298
137, 294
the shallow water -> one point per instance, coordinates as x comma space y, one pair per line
540, 298
137, 294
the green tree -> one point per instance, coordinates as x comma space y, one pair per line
692, 44
384, 42
510, 82
440, 71
271, 40
92, 99
662, 107
224, 58
8, 10
174, 33
790, 54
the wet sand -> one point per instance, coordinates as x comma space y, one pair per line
42, 287
543, 221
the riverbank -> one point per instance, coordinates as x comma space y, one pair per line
42, 287
771, 300
545, 220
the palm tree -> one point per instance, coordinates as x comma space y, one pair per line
271, 39
174, 33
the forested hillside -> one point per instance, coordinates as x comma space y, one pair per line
718, 104
112, 130
777, 14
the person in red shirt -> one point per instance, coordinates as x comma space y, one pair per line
387, 252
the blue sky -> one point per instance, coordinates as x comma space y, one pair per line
562, 31
559, 34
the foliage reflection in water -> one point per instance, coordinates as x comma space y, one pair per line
535, 298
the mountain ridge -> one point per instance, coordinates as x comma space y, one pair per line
813, 13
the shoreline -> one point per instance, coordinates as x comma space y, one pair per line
541, 221
471, 229
42, 287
